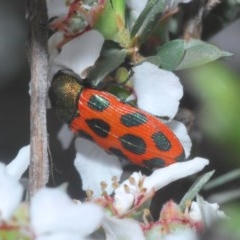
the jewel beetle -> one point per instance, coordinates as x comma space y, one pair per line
117, 127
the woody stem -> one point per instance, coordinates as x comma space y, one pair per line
38, 58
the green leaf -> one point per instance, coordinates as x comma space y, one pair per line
13, 234
156, 60
120, 92
195, 188
145, 22
112, 59
112, 19
119, 8
171, 54
223, 179
150, 4
199, 53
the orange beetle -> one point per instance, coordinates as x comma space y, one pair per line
117, 127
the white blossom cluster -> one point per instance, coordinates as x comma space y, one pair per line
52, 214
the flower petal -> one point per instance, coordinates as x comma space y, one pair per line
117, 229
136, 6
138, 184
163, 176
124, 200
53, 42
203, 211
20, 163
61, 236
81, 52
56, 8
183, 234
52, 211
158, 91
53, 51
95, 166
11, 193
65, 136
181, 132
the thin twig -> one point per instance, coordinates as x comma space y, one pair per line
38, 58
197, 11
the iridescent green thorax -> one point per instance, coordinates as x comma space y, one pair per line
64, 93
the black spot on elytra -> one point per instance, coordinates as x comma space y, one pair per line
133, 119
133, 144
117, 152
85, 135
181, 158
154, 163
99, 127
161, 141
98, 103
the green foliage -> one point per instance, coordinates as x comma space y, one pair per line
223, 179
147, 20
195, 189
112, 58
232, 226
12, 235
198, 53
171, 54
112, 19
179, 54
218, 88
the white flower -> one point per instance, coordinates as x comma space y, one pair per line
81, 52
180, 131
61, 236
186, 234
52, 212
124, 200
10, 193
53, 46
56, 8
137, 6
158, 91
65, 136
117, 229
162, 177
95, 166
20, 163
205, 212
11, 190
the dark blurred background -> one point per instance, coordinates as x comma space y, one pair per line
15, 99
14, 78
212, 95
